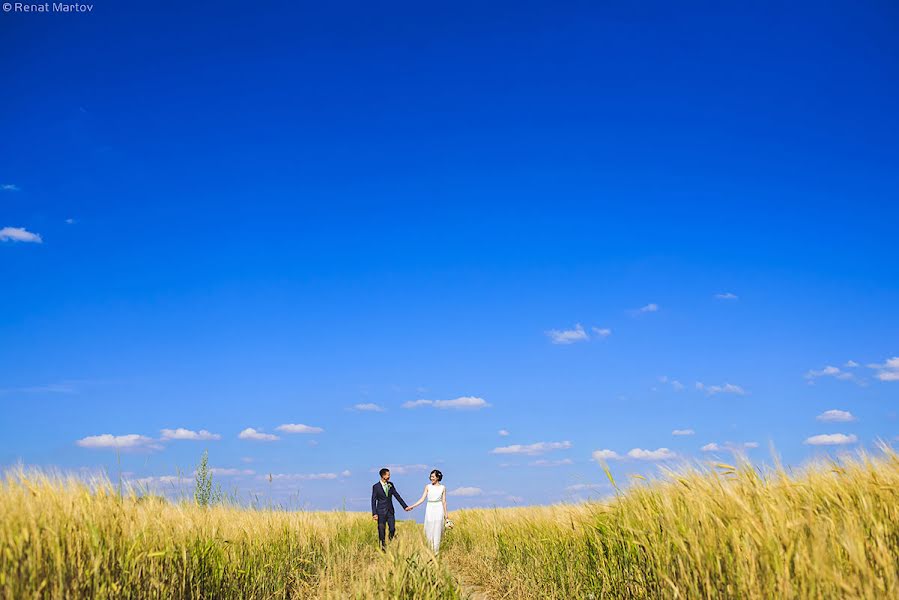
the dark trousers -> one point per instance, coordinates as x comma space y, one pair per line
387, 521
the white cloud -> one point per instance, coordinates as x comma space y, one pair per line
251, 434
162, 480
586, 487
851, 364
298, 428
568, 336
121, 442
461, 403
828, 371
19, 234
726, 296
601, 455
727, 388
659, 454
831, 439
229, 472
889, 370
9, 187
503, 432
551, 463
683, 432
417, 403
836, 415
187, 434
602, 332
298, 476
70, 221
345, 473
368, 406
467, 491
729, 447
651, 307
405, 469
532, 449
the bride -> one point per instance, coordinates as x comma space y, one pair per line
435, 511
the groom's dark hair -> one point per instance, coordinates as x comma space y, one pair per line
382, 471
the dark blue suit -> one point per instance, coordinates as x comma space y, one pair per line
382, 506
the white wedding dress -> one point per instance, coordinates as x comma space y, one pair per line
434, 516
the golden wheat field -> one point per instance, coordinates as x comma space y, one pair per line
715, 531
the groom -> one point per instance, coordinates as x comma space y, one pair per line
382, 505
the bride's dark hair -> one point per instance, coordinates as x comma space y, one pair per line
437, 474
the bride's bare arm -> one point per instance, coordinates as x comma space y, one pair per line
445, 513
422, 499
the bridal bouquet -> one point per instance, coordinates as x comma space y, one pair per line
448, 524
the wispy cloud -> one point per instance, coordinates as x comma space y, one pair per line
552, 463
677, 385
727, 388
578, 334
683, 432
658, 454
187, 434
532, 449
601, 455
634, 453
223, 472
298, 428
828, 371
131, 441
586, 487
726, 296
461, 403
299, 476
502, 433
9, 187
252, 434
888, 371
831, 439
836, 415
568, 336
159, 480
19, 234
368, 407
735, 447
405, 469
851, 364
649, 308
467, 491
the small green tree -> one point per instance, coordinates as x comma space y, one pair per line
203, 489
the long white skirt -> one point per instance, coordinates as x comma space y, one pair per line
434, 522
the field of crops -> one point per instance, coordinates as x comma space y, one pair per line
829, 531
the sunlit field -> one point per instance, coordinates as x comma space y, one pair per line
720, 531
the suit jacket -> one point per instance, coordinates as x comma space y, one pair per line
381, 503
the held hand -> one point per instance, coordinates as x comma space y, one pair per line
374, 517
409, 508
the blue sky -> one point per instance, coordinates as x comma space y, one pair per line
222, 218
